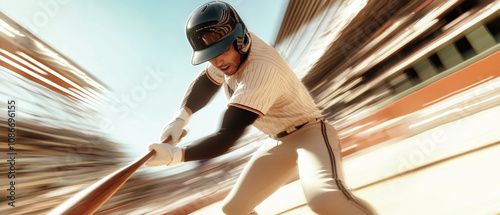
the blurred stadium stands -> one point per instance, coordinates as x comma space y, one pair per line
56, 140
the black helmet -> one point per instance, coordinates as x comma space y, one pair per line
213, 28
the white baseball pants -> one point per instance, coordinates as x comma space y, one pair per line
315, 151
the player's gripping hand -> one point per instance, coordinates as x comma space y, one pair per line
174, 129
165, 155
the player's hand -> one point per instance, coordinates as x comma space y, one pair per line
172, 133
165, 155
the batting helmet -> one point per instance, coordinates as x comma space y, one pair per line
213, 28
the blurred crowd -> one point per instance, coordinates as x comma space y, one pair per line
52, 164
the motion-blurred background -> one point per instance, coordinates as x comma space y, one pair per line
412, 87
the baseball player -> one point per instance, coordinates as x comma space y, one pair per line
262, 91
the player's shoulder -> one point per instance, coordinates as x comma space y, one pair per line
260, 49
263, 55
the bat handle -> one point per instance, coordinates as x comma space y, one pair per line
145, 158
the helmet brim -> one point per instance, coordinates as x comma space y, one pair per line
213, 51
216, 49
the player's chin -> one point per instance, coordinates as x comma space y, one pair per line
230, 70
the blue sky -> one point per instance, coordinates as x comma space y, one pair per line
139, 50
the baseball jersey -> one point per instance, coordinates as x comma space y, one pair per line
266, 85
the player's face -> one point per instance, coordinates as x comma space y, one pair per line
228, 62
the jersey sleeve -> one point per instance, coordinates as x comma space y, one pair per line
259, 88
215, 75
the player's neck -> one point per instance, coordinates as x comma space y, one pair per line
243, 58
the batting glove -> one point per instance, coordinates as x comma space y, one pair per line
165, 155
174, 128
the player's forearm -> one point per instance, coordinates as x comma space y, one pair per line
211, 146
199, 93
234, 123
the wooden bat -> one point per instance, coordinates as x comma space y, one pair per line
88, 201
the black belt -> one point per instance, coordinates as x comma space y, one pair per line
284, 133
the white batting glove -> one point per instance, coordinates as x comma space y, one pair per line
174, 127
165, 155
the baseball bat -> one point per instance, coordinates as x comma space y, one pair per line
89, 200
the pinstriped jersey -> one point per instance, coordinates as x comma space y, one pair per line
266, 85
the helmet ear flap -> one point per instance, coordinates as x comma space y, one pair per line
243, 44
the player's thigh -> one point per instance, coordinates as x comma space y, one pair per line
322, 176
319, 161
266, 171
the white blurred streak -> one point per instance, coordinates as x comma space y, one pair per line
24, 62
382, 126
456, 92
484, 90
455, 110
89, 95
73, 69
344, 149
3, 30
7, 29
88, 102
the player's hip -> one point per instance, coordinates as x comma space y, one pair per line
315, 132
